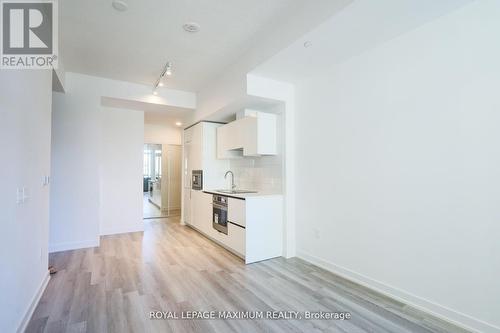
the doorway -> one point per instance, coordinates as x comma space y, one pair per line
161, 180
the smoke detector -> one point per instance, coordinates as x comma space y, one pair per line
120, 5
191, 27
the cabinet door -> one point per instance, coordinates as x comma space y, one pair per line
229, 141
195, 204
205, 212
188, 135
186, 206
222, 138
236, 238
196, 148
236, 211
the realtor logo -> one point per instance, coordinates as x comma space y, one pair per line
29, 34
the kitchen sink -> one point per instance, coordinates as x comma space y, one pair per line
236, 191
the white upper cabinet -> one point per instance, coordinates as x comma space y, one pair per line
200, 147
252, 135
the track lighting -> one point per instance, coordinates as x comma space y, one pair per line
167, 70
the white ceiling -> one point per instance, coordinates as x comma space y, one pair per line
153, 113
360, 26
134, 45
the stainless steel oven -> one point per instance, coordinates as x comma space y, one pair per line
219, 213
197, 180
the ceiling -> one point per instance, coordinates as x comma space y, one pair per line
153, 113
360, 26
134, 45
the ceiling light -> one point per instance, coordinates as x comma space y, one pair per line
191, 27
155, 92
160, 84
178, 123
120, 5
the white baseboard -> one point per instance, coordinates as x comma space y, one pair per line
34, 302
436, 310
171, 208
73, 245
126, 230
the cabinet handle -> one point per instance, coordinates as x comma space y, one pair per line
236, 224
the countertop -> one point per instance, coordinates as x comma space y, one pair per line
244, 196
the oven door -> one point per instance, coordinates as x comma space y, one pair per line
219, 218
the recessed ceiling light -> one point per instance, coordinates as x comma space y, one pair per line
178, 123
191, 27
155, 92
120, 5
308, 44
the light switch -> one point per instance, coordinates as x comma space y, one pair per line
25, 194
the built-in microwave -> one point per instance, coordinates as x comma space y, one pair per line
197, 180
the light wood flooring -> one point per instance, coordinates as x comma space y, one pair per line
171, 267
150, 210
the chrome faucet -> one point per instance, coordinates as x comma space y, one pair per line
232, 179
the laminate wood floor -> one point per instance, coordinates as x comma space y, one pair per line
171, 267
151, 211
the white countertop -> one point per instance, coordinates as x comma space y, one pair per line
244, 195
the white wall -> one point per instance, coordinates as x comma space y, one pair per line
77, 142
162, 134
397, 167
25, 108
121, 171
75, 190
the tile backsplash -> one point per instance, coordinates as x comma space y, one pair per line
259, 173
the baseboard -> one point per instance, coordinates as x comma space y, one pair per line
34, 302
117, 231
171, 208
436, 310
73, 245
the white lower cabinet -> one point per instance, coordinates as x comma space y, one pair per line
236, 211
201, 211
254, 228
236, 238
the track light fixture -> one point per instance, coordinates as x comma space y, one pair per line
167, 70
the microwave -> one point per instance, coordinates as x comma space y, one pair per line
197, 180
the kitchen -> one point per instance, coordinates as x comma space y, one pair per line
232, 191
